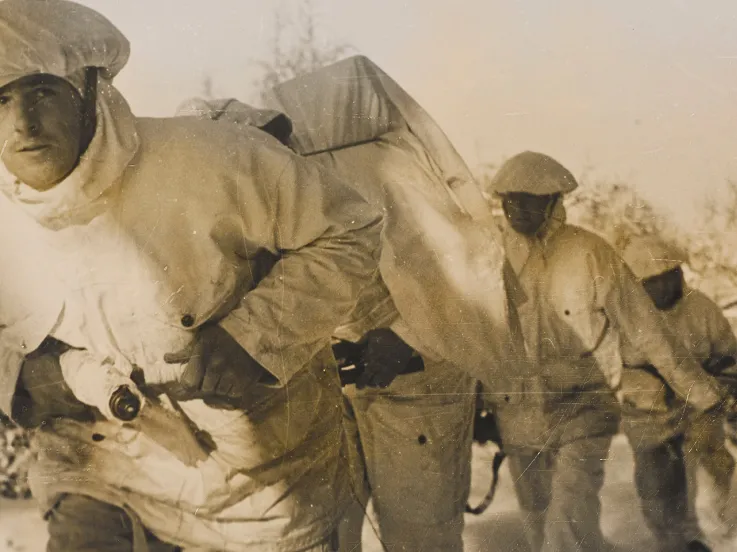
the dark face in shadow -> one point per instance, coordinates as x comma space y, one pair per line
665, 289
527, 213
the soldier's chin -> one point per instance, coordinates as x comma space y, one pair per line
524, 227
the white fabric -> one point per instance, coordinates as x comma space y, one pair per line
163, 226
218, 223
417, 451
59, 38
435, 406
93, 380
237, 112
442, 260
25, 319
699, 325
575, 285
649, 256
441, 289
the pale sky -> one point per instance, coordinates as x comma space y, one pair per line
645, 91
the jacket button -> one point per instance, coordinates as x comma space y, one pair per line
187, 320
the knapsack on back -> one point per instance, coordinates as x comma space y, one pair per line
442, 258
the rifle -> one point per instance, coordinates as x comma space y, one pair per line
486, 429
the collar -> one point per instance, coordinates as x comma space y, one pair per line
84, 193
519, 247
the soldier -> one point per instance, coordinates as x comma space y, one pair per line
209, 258
671, 440
557, 414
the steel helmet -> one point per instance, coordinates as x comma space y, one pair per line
648, 256
57, 37
532, 173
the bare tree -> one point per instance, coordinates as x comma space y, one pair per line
722, 211
614, 210
15, 457
296, 47
207, 87
713, 247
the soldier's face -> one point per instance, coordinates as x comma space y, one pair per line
526, 213
40, 129
665, 289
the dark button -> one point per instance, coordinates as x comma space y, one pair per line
96, 437
187, 320
422, 439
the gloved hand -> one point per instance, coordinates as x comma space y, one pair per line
41, 393
727, 406
486, 428
729, 425
717, 365
218, 370
386, 356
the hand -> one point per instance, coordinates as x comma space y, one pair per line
726, 410
729, 406
486, 428
386, 357
218, 370
729, 425
716, 365
42, 394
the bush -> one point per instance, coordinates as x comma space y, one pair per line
15, 455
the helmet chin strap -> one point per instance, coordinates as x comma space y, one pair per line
89, 109
551, 207
548, 214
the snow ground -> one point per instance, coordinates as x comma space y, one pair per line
499, 529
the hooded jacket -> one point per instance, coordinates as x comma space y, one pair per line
165, 225
580, 301
652, 413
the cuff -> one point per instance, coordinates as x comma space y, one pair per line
282, 362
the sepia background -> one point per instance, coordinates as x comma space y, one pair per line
642, 91
637, 98
627, 95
